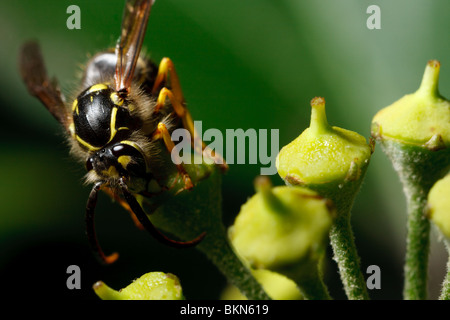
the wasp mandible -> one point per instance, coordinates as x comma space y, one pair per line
126, 108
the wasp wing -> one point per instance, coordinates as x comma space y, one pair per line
34, 74
134, 24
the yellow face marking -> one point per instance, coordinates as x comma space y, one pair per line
124, 161
116, 99
111, 172
87, 145
134, 145
75, 106
97, 87
92, 98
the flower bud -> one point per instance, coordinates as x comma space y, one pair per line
439, 205
151, 286
322, 153
277, 286
281, 226
421, 118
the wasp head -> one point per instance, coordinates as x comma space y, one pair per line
117, 160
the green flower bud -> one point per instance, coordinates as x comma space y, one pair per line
277, 286
280, 226
151, 286
284, 229
421, 118
322, 153
439, 205
438, 210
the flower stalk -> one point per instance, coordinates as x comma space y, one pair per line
445, 291
342, 238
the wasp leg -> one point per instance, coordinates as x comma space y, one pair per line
167, 69
110, 192
161, 132
142, 217
90, 227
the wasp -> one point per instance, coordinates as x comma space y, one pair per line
121, 122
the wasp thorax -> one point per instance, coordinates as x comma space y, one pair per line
100, 116
120, 159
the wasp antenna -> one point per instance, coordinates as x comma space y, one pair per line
148, 225
90, 227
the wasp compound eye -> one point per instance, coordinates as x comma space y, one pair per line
121, 149
124, 149
130, 158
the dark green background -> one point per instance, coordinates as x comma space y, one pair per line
242, 64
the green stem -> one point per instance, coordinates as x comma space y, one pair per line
418, 169
347, 258
217, 247
417, 245
342, 238
445, 291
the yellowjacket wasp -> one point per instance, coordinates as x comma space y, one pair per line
126, 107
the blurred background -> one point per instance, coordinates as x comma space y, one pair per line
242, 64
